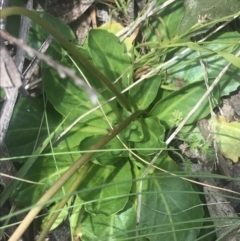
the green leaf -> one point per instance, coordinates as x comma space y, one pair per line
110, 57
27, 128
119, 226
37, 35
63, 28
167, 211
72, 101
107, 157
36, 38
173, 108
188, 68
108, 199
46, 171
153, 137
143, 94
89, 76
75, 137
26, 166
66, 96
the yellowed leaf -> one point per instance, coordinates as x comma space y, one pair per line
228, 138
114, 27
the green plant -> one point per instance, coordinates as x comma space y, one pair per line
102, 156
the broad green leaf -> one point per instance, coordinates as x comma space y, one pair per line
167, 211
172, 109
76, 135
48, 169
119, 226
107, 157
228, 138
143, 94
188, 68
27, 128
36, 38
37, 35
200, 12
153, 137
104, 93
71, 101
110, 57
26, 166
45, 170
63, 28
111, 198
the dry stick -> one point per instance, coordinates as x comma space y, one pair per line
12, 92
161, 7
71, 170
10, 76
7, 110
35, 61
139, 20
224, 211
130, 12
19, 179
209, 90
149, 12
23, 35
62, 70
